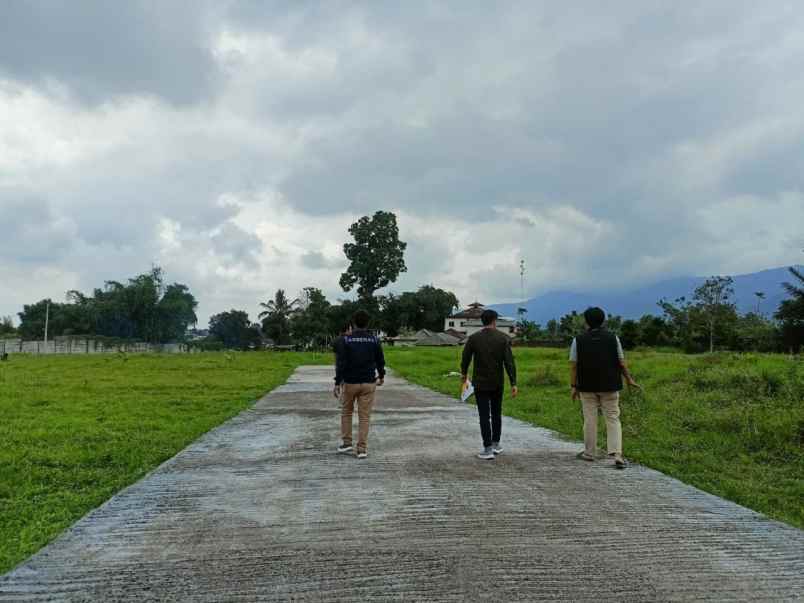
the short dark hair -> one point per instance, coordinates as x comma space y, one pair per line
361, 319
488, 317
595, 317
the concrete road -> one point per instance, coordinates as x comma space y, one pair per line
262, 508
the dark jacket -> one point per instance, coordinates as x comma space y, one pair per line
358, 358
491, 351
599, 368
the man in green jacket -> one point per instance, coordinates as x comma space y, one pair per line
491, 351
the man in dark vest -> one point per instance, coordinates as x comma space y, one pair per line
491, 351
597, 368
359, 369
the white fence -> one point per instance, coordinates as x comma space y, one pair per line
86, 346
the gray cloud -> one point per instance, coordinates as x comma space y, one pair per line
237, 244
607, 145
33, 233
315, 260
101, 50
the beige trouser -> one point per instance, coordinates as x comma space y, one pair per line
610, 403
363, 394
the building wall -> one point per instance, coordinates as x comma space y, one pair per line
471, 326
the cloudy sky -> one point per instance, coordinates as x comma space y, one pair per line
607, 144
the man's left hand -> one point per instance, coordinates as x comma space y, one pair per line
337, 391
380, 381
576, 394
631, 383
514, 391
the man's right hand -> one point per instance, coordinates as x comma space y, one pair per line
337, 391
576, 395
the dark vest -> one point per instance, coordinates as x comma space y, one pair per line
598, 362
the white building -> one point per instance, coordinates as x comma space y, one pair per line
468, 322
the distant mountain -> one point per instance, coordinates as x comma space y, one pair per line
635, 303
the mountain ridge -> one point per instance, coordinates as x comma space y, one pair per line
636, 302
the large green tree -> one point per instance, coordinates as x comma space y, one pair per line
276, 316
528, 330
145, 308
791, 311
629, 334
7, 326
713, 299
377, 256
423, 309
310, 326
234, 330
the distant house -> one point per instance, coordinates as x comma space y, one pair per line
197, 334
468, 321
459, 335
424, 338
430, 338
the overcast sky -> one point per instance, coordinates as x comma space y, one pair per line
608, 144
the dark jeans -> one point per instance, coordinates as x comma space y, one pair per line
489, 406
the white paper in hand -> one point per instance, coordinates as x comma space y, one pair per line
467, 390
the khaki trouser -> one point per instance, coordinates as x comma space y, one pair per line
363, 394
610, 403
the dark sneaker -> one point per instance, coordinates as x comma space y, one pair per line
584, 456
620, 462
487, 454
362, 454
496, 448
344, 448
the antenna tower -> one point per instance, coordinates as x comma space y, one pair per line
522, 310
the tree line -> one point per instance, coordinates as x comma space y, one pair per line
312, 321
145, 308
707, 321
148, 309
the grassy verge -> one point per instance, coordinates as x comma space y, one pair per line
74, 430
730, 424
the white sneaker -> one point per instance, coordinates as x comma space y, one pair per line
344, 448
487, 454
362, 455
496, 449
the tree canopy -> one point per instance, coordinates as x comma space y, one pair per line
145, 308
276, 317
791, 311
234, 330
377, 256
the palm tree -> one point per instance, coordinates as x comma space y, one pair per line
276, 315
760, 296
796, 292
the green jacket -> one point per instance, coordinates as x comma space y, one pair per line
491, 351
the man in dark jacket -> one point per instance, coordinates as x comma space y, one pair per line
597, 368
491, 351
358, 362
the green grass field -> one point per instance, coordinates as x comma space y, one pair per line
76, 429
730, 424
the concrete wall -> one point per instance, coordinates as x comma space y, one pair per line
473, 325
85, 346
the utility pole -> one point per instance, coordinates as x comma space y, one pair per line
522, 310
47, 319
